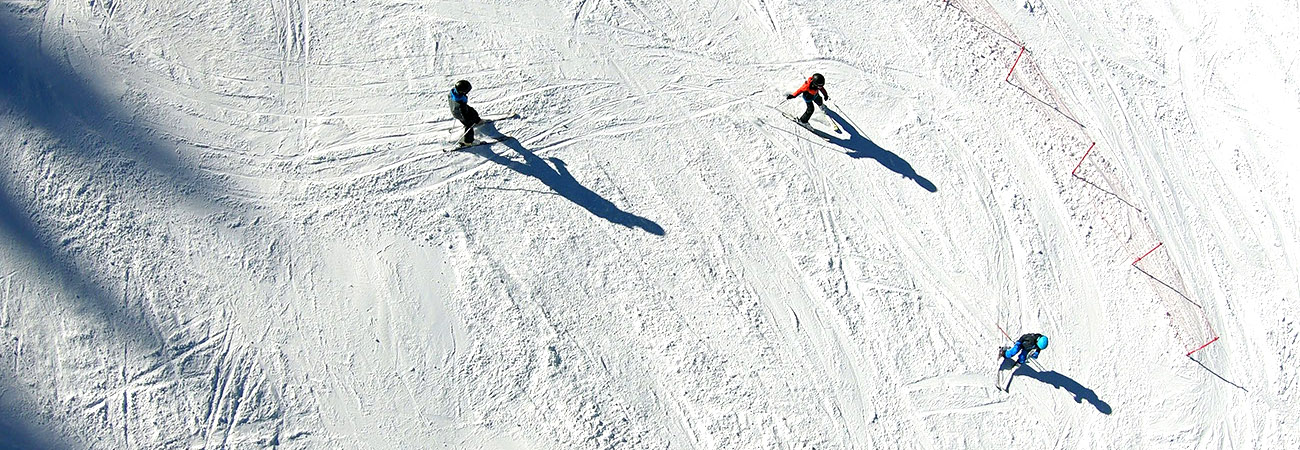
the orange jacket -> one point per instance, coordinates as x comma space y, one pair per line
809, 89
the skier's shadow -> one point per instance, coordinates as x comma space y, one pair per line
1059, 381
861, 147
554, 174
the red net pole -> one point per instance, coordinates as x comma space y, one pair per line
1085, 156
1004, 333
1144, 255
1207, 344
1013, 65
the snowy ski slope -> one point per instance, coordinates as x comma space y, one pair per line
232, 224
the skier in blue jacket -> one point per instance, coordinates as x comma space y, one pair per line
1029, 345
458, 99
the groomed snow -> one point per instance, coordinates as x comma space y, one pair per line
233, 224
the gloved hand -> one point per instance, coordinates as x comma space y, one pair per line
826, 95
789, 96
1034, 355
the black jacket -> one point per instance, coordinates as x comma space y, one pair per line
1029, 342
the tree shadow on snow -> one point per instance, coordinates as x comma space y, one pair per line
88, 121
19, 429
860, 146
17, 225
554, 174
89, 128
1059, 381
89, 138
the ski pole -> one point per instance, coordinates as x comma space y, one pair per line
832, 121
1035, 365
471, 127
823, 108
855, 126
1004, 333
464, 132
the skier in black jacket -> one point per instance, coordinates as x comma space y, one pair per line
458, 100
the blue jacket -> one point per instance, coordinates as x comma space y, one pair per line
457, 97
460, 109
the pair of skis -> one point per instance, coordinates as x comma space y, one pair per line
808, 126
820, 108
478, 142
458, 145
1002, 355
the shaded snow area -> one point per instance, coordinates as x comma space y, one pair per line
235, 224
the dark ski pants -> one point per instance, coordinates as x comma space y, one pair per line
467, 117
808, 99
468, 137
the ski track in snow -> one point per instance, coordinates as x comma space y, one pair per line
234, 225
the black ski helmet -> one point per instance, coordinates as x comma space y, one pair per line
463, 86
818, 80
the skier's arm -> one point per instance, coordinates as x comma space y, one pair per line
462, 108
825, 94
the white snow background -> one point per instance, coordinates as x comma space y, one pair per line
232, 224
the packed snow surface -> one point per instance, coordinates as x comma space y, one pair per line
234, 224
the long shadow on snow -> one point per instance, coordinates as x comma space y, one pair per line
88, 127
556, 176
16, 223
78, 113
1059, 381
861, 147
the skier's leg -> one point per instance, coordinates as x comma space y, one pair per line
807, 113
1011, 351
469, 134
822, 107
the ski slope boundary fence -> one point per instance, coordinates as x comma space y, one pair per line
1024, 74
1191, 325
1106, 176
1188, 318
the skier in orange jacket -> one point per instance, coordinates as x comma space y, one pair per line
813, 90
